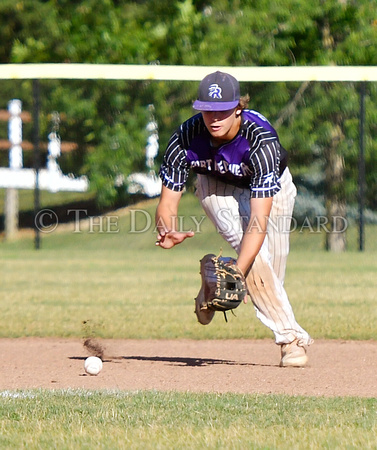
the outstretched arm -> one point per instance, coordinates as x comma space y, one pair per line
256, 232
166, 220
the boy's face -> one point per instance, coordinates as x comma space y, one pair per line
222, 125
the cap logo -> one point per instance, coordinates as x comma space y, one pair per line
214, 91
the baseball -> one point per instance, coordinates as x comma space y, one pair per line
93, 365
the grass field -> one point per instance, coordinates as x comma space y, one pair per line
154, 420
111, 274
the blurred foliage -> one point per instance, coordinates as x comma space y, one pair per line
107, 119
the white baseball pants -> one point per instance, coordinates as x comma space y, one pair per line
228, 207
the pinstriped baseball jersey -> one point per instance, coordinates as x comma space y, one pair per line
254, 158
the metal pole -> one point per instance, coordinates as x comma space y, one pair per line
37, 160
361, 177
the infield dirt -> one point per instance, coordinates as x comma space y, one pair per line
336, 368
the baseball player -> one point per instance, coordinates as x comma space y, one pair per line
246, 189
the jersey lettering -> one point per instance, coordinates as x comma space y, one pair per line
222, 167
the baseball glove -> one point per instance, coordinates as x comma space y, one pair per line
223, 287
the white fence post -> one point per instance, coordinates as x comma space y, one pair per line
15, 162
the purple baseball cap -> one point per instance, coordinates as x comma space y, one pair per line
218, 91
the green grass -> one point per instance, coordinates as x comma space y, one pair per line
155, 420
47, 199
50, 292
111, 278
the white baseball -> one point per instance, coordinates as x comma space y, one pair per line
93, 365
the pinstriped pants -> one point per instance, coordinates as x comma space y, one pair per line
228, 207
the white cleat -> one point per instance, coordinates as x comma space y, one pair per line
293, 355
